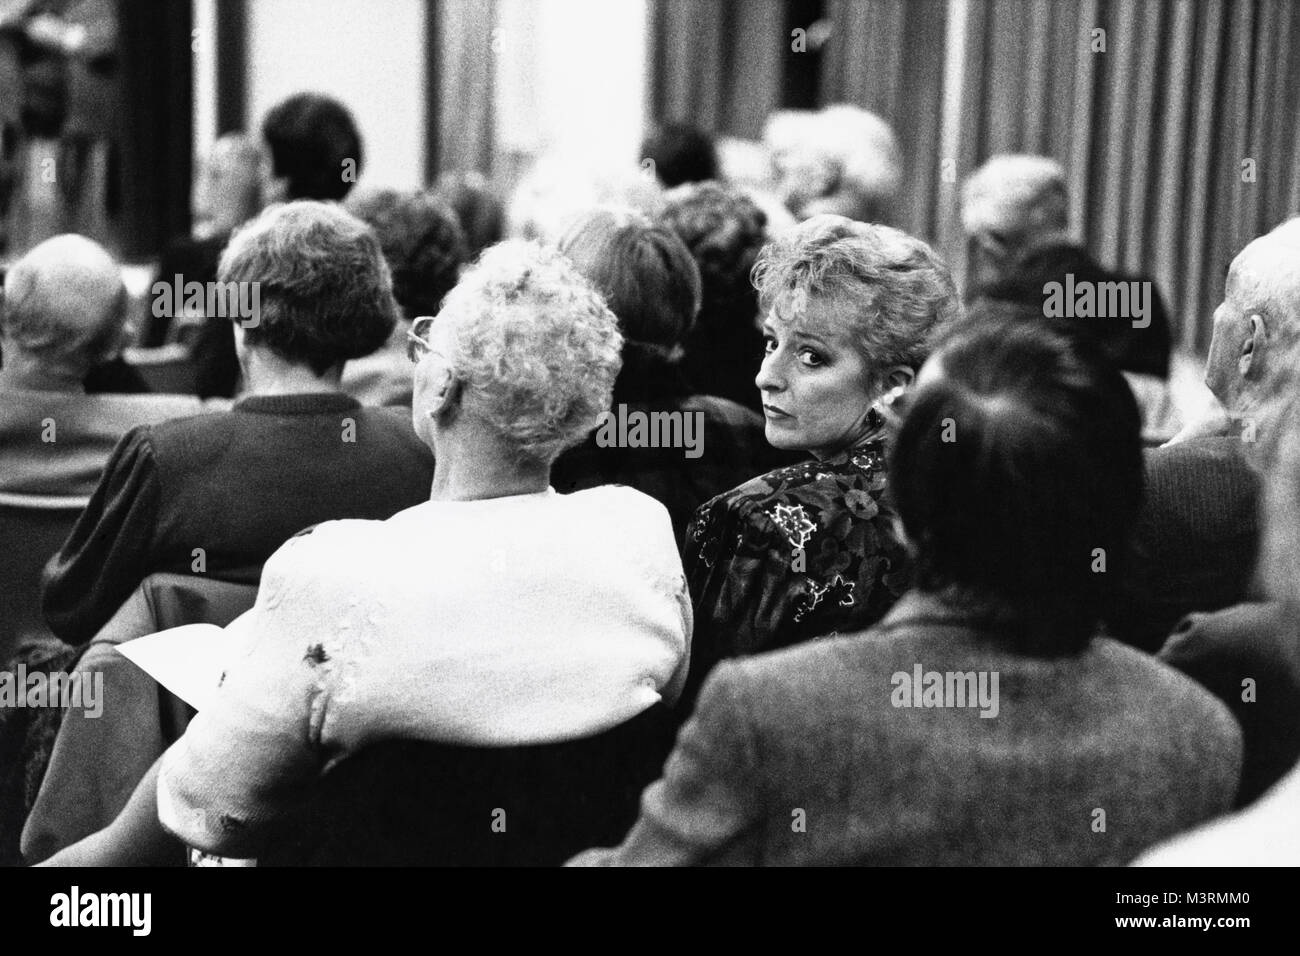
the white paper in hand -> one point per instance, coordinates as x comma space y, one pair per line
187, 660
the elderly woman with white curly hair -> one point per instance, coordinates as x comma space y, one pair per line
497, 613
849, 311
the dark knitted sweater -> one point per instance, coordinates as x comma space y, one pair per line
218, 494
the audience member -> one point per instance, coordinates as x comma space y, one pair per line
1252, 661
549, 627
62, 311
841, 160
1199, 533
314, 151
724, 230
982, 722
425, 249
708, 444
217, 494
849, 313
227, 193
481, 213
680, 153
1015, 209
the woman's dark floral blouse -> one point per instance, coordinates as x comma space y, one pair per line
797, 553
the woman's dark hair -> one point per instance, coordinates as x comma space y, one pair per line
324, 291
422, 242
681, 153
1018, 477
309, 136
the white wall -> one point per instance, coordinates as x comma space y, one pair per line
571, 75
369, 54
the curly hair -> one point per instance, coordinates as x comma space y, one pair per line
535, 345
324, 290
892, 289
422, 242
724, 230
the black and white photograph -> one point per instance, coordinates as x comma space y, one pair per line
651, 433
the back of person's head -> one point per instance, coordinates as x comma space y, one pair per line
645, 273
422, 242
1256, 341
724, 230
681, 153
1014, 201
311, 137
1018, 476
323, 288
481, 212
535, 345
842, 160
64, 305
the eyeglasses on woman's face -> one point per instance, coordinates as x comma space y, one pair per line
417, 344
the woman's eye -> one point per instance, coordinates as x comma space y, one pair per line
810, 358
769, 345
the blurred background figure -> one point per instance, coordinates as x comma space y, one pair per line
560, 188
724, 230
478, 208
680, 153
425, 249
62, 311
227, 193
841, 160
56, 170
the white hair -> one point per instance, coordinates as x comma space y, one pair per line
1016, 193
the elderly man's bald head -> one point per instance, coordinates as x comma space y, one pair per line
64, 302
1254, 359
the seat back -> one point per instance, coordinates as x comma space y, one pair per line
32, 529
412, 803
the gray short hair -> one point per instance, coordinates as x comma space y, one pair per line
1016, 193
899, 293
326, 293
45, 307
536, 346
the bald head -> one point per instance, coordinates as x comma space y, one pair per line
1255, 350
64, 303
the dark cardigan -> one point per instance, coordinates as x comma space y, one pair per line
235, 485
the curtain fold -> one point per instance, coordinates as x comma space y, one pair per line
460, 102
887, 56
717, 63
1179, 140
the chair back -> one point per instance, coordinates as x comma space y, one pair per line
413, 803
32, 529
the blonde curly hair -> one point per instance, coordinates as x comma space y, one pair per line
535, 345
